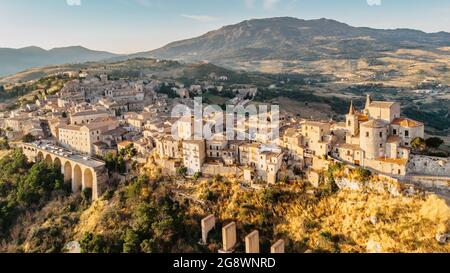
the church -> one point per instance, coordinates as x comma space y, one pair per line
377, 137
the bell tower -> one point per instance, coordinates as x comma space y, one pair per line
352, 121
368, 103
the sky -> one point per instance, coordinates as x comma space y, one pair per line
129, 26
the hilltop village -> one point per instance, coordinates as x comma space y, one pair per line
94, 118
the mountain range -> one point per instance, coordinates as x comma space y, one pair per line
289, 38
16, 60
281, 38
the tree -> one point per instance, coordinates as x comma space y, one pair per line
128, 151
197, 175
434, 142
364, 175
41, 180
110, 162
4, 145
115, 163
131, 242
418, 144
182, 171
28, 138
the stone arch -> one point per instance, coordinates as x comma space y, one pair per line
49, 159
77, 178
57, 163
40, 156
88, 180
67, 172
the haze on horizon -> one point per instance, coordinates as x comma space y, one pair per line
129, 26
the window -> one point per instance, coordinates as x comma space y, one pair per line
367, 134
394, 131
406, 133
381, 134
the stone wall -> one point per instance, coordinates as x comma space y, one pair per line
427, 165
218, 169
168, 167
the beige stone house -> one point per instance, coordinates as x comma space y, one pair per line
194, 155
82, 137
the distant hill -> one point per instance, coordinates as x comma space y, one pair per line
15, 60
287, 38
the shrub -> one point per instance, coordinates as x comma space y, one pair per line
28, 138
434, 142
86, 194
131, 242
182, 171
4, 144
197, 175
363, 175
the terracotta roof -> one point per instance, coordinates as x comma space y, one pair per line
124, 143
363, 118
406, 122
398, 161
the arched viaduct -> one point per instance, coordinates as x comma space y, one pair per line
80, 171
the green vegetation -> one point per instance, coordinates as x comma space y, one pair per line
434, 142
167, 90
437, 119
28, 138
15, 92
197, 176
363, 175
430, 146
330, 186
46, 86
419, 144
129, 151
182, 171
145, 220
25, 187
4, 144
338, 105
115, 163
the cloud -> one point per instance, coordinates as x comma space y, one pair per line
267, 4
200, 18
73, 2
270, 4
374, 2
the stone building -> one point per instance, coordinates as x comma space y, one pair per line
378, 138
81, 138
194, 155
